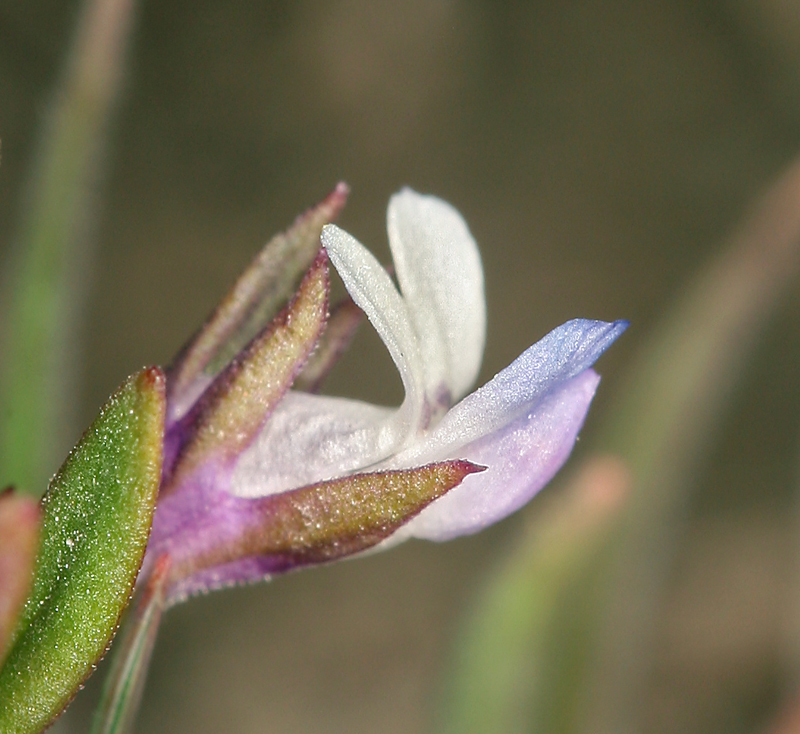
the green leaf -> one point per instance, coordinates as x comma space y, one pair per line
343, 322
97, 515
234, 408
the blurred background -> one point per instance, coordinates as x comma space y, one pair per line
601, 153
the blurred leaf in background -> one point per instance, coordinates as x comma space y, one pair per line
511, 658
46, 277
665, 417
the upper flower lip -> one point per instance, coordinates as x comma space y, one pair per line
239, 437
435, 332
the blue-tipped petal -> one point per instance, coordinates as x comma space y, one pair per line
521, 458
522, 425
558, 357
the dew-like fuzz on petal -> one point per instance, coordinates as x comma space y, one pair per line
565, 352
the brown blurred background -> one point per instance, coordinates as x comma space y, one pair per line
600, 152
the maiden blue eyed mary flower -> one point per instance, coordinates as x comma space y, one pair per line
260, 478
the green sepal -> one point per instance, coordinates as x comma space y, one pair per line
96, 521
232, 411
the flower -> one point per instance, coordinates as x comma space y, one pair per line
260, 478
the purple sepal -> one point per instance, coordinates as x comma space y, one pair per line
201, 527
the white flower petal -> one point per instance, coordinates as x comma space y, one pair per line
521, 458
440, 274
374, 293
311, 438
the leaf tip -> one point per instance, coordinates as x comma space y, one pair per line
152, 378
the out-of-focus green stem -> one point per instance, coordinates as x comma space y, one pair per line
51, 249
124, 683
659, 427
666, 415
505, 666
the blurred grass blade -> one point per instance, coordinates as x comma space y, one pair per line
505, 661
20, 519
660, 425
663, 422
97, 516
124, 685
52, 253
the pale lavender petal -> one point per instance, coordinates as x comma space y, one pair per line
521, 458
559, 356
311, 438
440, 274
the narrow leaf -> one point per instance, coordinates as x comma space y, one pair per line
97, 516
253, 538
342, 325
665, 414
344, 516
506, 663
